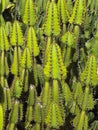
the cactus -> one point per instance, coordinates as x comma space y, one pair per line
48, 64
1, 117
54, 67
78, 12
29, 17
51, 25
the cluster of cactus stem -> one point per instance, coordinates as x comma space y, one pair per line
48, 64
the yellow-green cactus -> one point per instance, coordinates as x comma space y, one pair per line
54, 67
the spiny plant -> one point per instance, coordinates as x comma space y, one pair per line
78, 12
31, 102
54, 70
63, 12
1, 117
48, 65
17, 36
4, 4
92, 45
54, 118
32, 42
89, 75
17, 42
29, 17
87, 102
26, 67
3, 36
68, 40
54, 67
51, 25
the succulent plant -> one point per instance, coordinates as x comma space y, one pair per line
48, 64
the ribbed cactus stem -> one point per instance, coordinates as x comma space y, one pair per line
55, 91
77, 32
83, 112
2, 79
86, 94
31, 102
67, 59
64, 27
14, 115
8, 98
45, 93
1, 117
25, 79
80, 125
47, 47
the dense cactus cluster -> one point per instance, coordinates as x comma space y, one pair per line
49, 64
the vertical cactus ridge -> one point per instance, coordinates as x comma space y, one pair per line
8, 28
45, 98
5, 98
86, 122
54, 117
72, 17
8, 98
37, 112
85, 98
67, 94
29, 17
57, 95
89, 75
4, 4
68, 38
32, 95
4, 45
1, 117
26, 59
81, 119
78, 12
56, 25
25, 79
21, 111
69, 5
4, 69
32, 42
17, 88
54, 67
14, 115
51, 24
29, 115
90, 102
17, 35
15, 68
77, 99
56, 92
30, 105
78, 93
35, 73
5, 101
48, 23
62, 10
